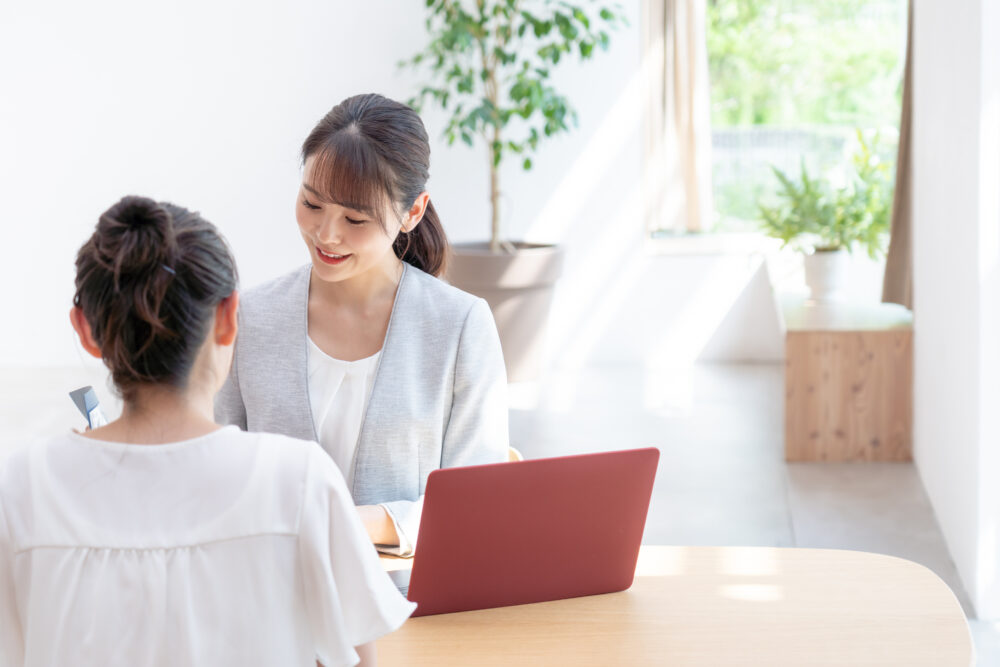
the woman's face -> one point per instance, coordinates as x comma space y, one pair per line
343, 242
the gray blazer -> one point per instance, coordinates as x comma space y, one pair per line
439, 397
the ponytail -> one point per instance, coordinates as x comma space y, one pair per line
426, 245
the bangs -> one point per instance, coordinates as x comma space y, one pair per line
348, 172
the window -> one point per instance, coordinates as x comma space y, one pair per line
793, 80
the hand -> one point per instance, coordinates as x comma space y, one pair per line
379, 525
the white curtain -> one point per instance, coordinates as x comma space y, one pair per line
677, 160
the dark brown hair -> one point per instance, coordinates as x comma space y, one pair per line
148, 281
370, 151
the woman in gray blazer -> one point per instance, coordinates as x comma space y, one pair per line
393, 371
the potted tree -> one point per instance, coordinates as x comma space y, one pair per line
827, 223
489, 64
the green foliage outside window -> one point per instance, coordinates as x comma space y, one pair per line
790, 82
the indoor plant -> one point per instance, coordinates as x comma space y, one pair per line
489, 65
827, 222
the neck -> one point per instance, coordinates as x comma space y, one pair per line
373, 286
157, 415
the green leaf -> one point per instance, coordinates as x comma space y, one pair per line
471, 55
542, 28
810, 212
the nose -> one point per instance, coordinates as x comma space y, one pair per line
329, 231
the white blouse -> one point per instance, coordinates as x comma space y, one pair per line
338, 395
231, 548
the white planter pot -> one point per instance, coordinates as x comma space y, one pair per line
827, 274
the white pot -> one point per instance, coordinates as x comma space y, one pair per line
826, 274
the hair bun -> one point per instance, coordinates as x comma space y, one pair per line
135, 237
134, 212
148, 281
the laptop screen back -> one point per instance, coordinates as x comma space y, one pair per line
530, 531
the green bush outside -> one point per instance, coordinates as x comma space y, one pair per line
792, 81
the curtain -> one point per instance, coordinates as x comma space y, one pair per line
677, 141
897, 285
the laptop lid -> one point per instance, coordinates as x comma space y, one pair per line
529, 531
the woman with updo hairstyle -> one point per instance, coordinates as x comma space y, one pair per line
162, 538
364, 349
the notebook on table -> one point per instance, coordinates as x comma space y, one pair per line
530, 531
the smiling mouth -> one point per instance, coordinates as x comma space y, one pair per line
331, 255
331, 258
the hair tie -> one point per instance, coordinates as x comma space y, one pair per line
168, 269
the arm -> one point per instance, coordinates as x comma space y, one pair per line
379, 525
349, 598
477, 430
367, 654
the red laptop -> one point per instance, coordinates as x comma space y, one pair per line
530, 531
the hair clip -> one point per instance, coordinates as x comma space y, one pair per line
168, 270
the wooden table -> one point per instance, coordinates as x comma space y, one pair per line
848, 381
714, 606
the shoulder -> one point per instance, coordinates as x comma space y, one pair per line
273, 312
437, 297
16, 467
277, 450
287, 468
277, 290
18, 473
293, 456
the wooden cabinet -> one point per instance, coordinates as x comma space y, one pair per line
848, 382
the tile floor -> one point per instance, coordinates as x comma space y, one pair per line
722, 479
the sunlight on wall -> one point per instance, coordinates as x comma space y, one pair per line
583, 179
700, 316
601, 266
609, 271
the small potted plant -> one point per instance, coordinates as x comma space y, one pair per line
489, 64
827, 223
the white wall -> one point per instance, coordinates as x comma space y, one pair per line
956, 152
988, 571
206, 104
